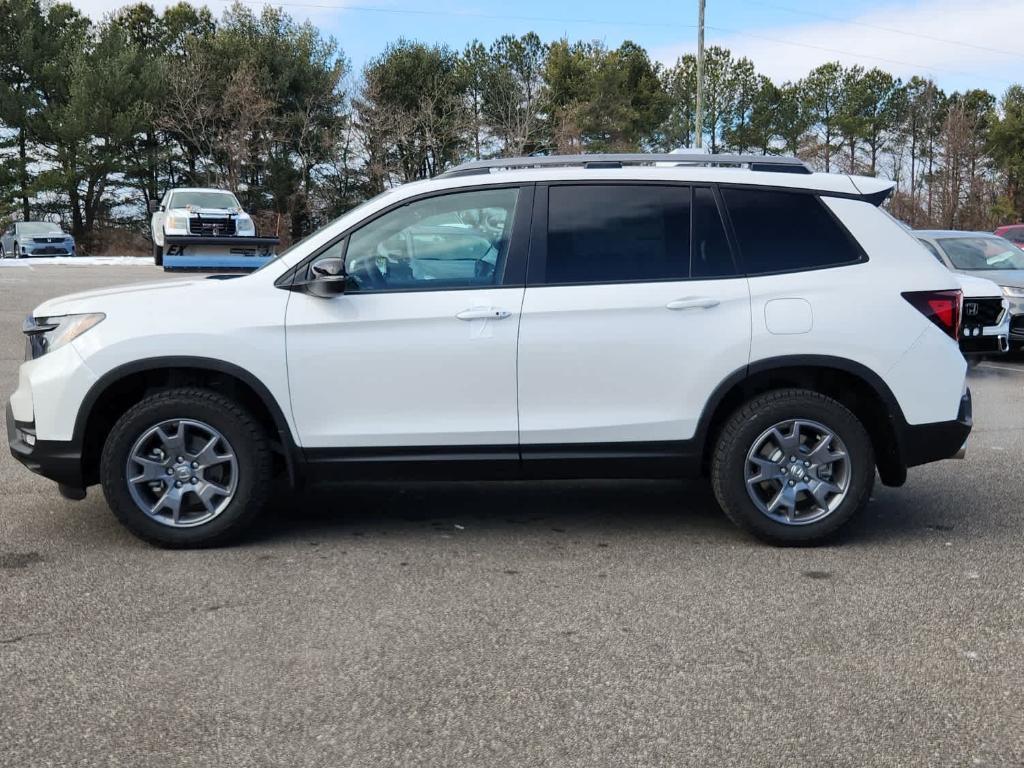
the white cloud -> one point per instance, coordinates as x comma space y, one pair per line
788, 51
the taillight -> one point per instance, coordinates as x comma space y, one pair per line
941, 307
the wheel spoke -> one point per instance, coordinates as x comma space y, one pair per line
173, 443
820, 490
208, 491
822, 454
208, 456
151, 470
767, 470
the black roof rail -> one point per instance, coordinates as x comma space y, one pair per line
772, 163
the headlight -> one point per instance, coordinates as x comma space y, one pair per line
1013, 292
176, 222
245, 226
46, 334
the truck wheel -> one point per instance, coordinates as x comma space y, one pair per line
792, 466
158, 255
186, 467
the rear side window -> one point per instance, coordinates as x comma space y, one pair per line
786, 232
617, 233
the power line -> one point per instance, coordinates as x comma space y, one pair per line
566, 20
856, 54
894, 30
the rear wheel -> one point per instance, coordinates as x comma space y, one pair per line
186, 468
793, 466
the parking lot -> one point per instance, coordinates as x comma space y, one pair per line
561, 624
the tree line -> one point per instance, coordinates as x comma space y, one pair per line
98, 119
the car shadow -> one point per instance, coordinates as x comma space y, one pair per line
686, 509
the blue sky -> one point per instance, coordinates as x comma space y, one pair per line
960, 44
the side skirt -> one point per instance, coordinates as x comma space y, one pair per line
676, 459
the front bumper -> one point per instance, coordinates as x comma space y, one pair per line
57, 460
925, 443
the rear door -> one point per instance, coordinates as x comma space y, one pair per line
633, 314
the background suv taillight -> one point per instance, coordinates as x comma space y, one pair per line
941, 307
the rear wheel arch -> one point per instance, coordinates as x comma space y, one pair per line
852, 384
121, 388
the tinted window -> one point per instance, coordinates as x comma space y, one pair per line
617, 233
710, 255
456, 240
786, 231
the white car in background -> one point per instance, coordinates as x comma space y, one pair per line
985, 325
200, 214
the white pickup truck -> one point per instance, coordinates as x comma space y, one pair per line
197, 228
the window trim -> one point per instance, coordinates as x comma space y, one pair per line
738, 250
537, 264
513, 276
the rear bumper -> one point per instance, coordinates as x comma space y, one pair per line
57, 460
983, 345
925, 443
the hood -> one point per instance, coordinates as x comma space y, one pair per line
1011, 277
93, 301
978, 287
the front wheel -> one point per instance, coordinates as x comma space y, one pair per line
793, 466
158, 254
186, 468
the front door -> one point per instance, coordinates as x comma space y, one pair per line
634, 313
420, 351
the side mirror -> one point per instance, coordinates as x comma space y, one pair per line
154, 206
328, 278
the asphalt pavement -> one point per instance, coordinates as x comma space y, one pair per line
517, 624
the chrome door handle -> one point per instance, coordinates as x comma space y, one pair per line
483, 313
693, 303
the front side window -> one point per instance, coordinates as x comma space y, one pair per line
617, 233
450, 241
781, 231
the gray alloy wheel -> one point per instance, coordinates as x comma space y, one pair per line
798, 472
182, 473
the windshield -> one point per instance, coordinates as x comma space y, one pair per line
38, 227
982, 253
212, 199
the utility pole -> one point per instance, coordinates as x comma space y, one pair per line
699, 122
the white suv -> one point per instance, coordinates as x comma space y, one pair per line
562, 317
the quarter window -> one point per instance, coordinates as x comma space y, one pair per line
450, 241
786, 231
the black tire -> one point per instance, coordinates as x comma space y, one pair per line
739, 434
158, 255
246, 436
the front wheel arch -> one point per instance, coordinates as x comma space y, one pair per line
121, 388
